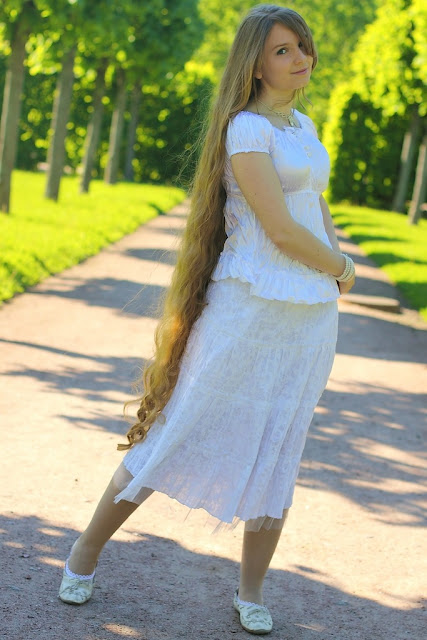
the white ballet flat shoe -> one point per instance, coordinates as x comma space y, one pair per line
254, 617
74, 590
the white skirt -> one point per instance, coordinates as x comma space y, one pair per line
251, 376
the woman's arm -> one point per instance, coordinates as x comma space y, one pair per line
329, 225
258, 181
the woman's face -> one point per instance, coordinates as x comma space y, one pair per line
283, 57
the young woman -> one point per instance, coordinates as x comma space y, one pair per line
248, 334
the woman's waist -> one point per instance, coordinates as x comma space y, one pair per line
257, 260
278, 279
306, 210
251, 241
233, 192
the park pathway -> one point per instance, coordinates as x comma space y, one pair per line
351, 563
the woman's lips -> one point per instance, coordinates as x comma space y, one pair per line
300, 72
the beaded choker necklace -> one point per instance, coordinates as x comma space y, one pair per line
286, 116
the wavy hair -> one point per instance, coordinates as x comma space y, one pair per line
204, 235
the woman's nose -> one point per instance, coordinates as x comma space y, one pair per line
302, 56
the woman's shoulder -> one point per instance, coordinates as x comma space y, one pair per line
249, 127
248, 131
250, 120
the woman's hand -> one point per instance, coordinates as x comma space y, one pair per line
345, 287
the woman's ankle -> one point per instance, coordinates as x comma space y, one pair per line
250, 594
83, 557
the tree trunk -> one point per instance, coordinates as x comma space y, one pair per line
9, 126
419, 192
133, 123
406, 160
61, 112
116, 130
93, 129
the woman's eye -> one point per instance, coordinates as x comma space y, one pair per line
284, 50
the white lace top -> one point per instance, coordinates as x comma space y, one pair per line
303, 166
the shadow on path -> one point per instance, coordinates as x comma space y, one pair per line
156, 255
100, 377
130, 298
154, 588
354, 447
384, 339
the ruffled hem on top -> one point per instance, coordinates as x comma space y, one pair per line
293, 286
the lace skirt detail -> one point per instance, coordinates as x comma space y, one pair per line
251, 376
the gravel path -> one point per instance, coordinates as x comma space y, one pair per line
351, 563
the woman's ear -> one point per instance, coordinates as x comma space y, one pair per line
257, 75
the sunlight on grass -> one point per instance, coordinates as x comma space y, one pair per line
41, 237
398, 248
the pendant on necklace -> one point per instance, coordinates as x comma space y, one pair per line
292, 121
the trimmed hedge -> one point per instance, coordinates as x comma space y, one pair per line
364, 148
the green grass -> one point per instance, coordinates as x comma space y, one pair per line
397, 247
40, 237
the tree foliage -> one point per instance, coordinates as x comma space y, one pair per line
388, 61
137, 40
371, 113
364, 149
372, 60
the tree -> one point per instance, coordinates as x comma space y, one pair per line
108, 33
420, 184
147, 54
418, 13
169, 125
116, 128
395, 44
61, 111
19, 17
94, 127
135, 101
407, 158
121, 37
75, 23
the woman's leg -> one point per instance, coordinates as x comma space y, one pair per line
257, 552
108, 517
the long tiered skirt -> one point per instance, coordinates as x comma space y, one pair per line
251, 376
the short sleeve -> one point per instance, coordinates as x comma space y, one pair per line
248, 132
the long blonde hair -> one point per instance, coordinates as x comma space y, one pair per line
204, 235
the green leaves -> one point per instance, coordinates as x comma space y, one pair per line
388, 61
364, 147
